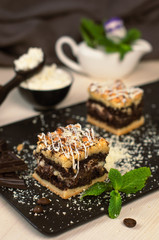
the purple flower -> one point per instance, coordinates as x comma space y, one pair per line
115, 29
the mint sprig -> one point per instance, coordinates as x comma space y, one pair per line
114, 204
131, 182
94, 35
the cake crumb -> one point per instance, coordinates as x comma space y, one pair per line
20, 147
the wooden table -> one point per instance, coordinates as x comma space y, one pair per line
145, 210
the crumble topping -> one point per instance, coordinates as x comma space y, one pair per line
68, 145
116, 95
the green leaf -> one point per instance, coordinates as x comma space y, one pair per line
88, 39
91, 31
114, 204
135, 180
115, 178
97, 189
131, 36
123, 49
94, 29
103, 41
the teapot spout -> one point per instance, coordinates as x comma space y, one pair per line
142, 46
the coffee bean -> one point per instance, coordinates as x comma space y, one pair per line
38, 209
129, 222
43, 201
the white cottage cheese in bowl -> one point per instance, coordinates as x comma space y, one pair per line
50, 78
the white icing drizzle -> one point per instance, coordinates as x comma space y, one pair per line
87, 133
43, 138
69, 142
92, 133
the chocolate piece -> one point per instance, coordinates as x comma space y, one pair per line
11, 180
38, 209
43, 201
9, 162
129, 222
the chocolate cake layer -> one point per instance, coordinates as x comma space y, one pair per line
117, 118
89, 169
67, 172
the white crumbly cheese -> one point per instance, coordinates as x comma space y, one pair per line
29, 60
116, 154
42, 163
49, 78
121, 154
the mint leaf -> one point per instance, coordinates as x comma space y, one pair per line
114, 204
88, 39
97, 189
91, 31
107, 43
115, 178
135, 180
123, 49
131, 36
94, 29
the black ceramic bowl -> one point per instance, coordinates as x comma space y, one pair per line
45, 99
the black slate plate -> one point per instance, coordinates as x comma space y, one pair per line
139, 148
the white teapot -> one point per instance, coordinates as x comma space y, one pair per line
97, 63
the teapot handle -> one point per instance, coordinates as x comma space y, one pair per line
61, 55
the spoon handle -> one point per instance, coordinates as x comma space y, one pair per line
4, 90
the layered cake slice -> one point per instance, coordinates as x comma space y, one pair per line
70, 160
115, 108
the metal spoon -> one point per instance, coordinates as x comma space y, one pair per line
19, 77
